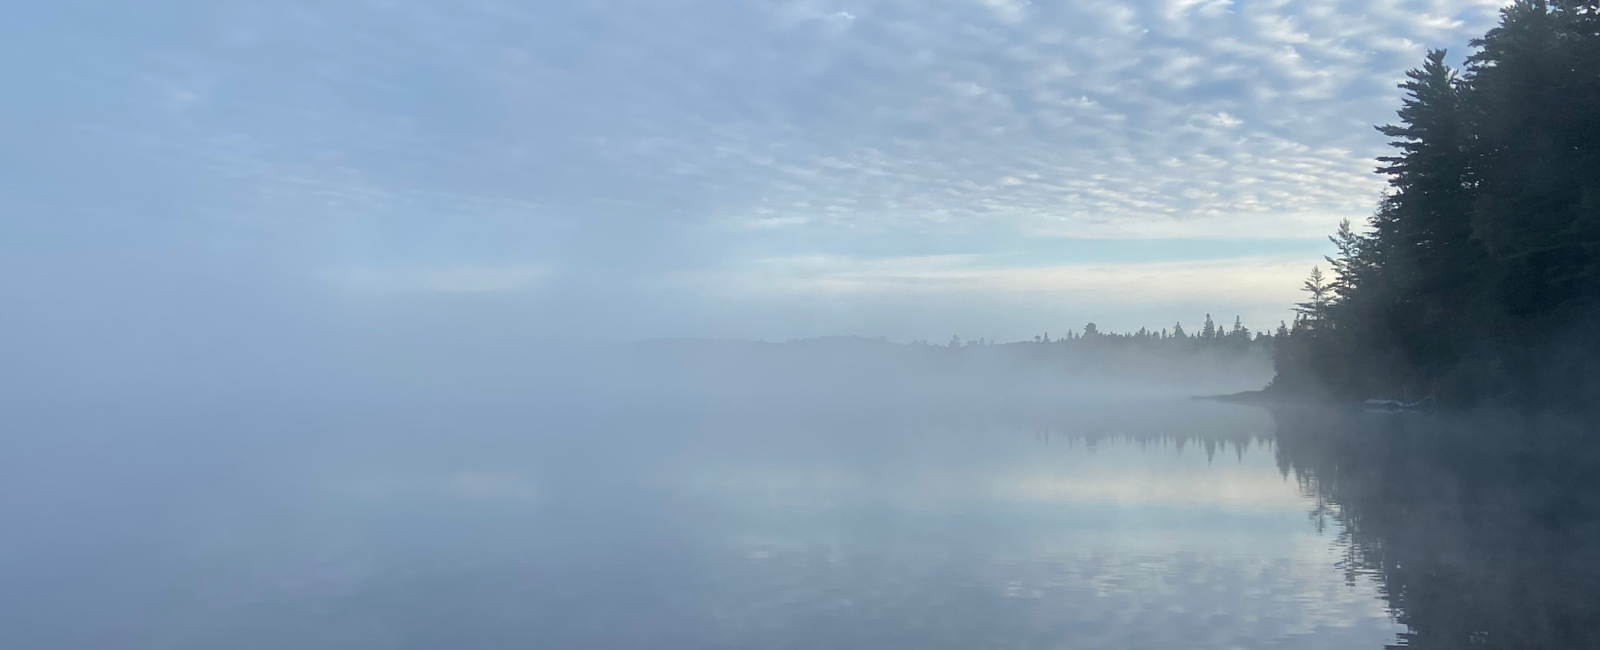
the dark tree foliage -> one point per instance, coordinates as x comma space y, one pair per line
1478, 279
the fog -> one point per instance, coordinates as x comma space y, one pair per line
218, 460
620, 524
158, 331
795, 324
195, 465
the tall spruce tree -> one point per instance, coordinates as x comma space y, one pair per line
1478, 279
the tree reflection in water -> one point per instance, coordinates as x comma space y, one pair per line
1483, 528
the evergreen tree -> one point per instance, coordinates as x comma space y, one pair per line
1315, 310
1479, 274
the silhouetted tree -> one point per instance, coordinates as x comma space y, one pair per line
1478, 277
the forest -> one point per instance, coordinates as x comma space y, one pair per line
1476, 280
1213, 359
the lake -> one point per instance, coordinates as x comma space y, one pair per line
1157, 523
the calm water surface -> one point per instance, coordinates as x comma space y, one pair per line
1134, 525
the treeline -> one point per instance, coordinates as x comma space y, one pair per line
1210, 336
873, 372
1478, 279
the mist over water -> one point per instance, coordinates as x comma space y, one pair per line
398, 324
705, 495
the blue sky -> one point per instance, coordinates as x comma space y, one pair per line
625, 169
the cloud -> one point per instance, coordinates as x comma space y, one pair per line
1008, 11
1181, 9
442, 279
461, 485
636, 139
763, 223
1226, 281
709, 121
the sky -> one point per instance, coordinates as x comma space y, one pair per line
231, 171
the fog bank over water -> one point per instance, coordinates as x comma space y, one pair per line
814, 373
617, 523
846, 367
157, 330
837, 492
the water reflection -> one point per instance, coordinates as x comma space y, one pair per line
1168, 524
1483, 529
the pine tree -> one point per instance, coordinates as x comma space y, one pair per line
1538, 146
1353, 267
1480, 270
1314, 310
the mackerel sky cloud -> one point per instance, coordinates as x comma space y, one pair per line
716, 168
